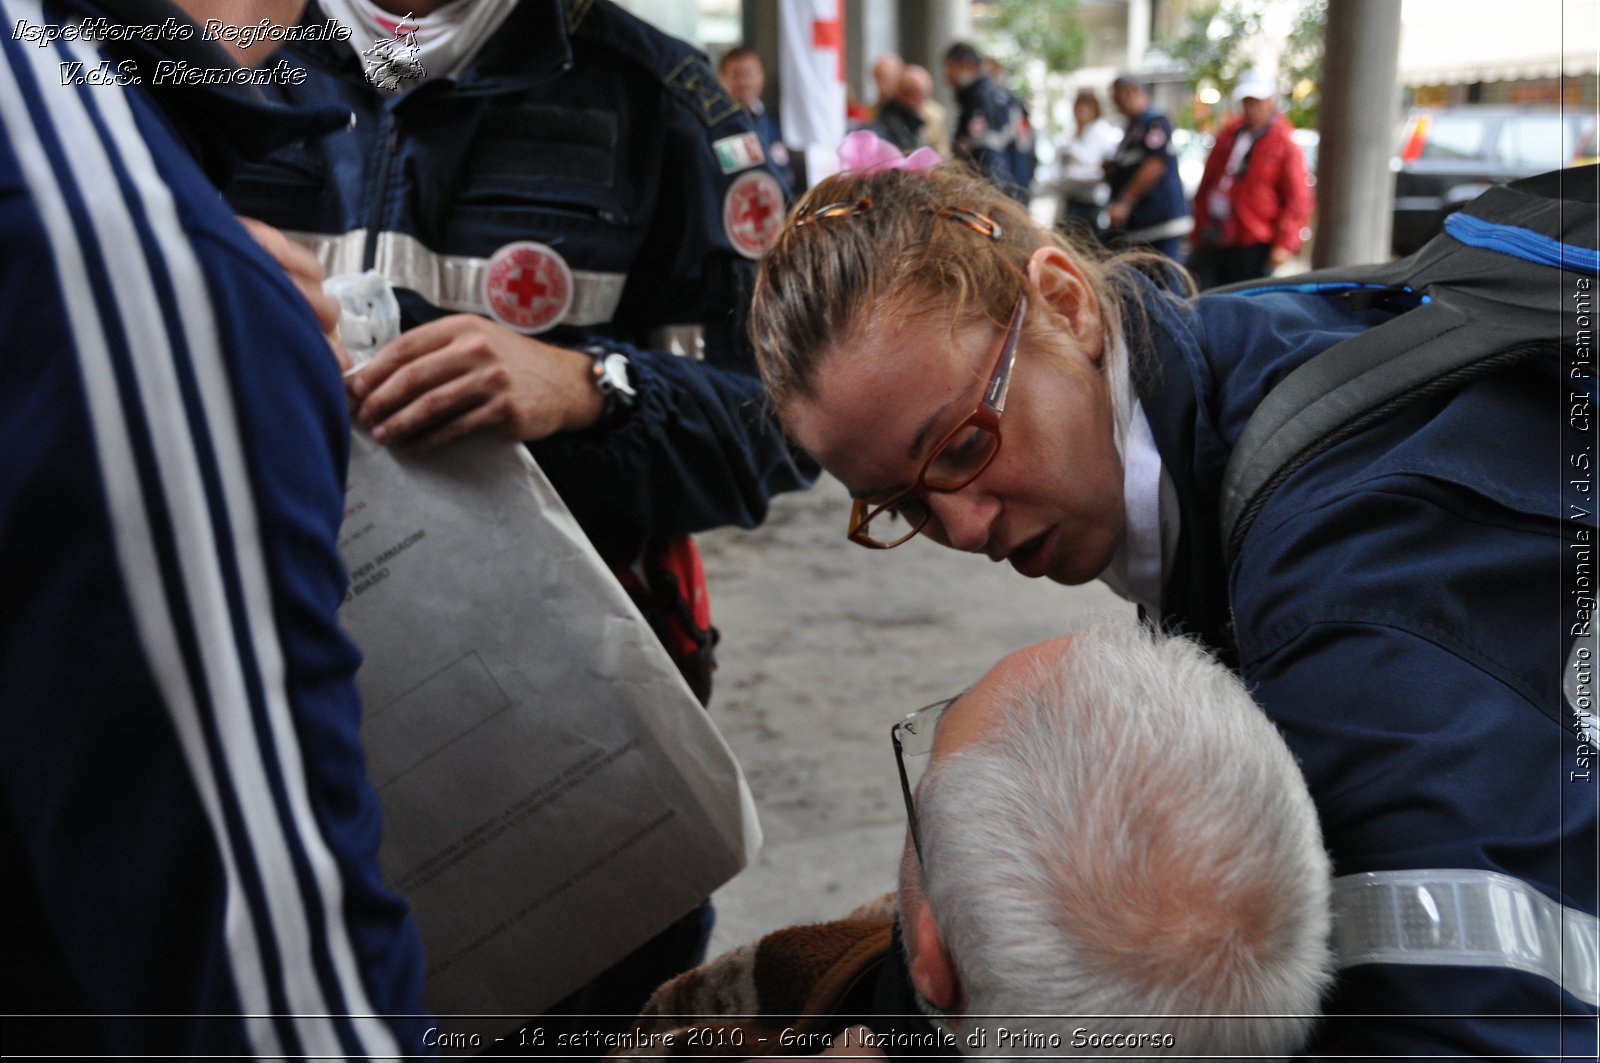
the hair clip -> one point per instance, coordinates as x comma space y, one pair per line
843, 209
978, 223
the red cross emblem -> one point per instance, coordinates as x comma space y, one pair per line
527, 286
828, 35
752, 212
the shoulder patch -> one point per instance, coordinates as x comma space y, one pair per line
739, 152
752, 212
1155, 138
695, 83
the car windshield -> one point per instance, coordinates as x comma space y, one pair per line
1454, 136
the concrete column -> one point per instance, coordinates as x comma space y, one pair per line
1138, 33
1360, 100
927, 30
871, 29
759, 26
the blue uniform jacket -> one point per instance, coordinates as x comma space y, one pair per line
1149, 135
988, 127
188, 829
1397, 610
584, 129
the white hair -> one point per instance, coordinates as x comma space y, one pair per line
1131, 839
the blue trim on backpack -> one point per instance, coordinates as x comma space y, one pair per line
1340, 286
1397, 293
1521, 243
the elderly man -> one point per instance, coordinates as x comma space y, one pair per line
886, 71
900, 119
1111, 849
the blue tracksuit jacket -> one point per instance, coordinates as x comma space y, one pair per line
188, 829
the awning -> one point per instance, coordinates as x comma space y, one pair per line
1450, 42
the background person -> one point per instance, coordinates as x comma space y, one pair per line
899, 119
1083, 158
744, 75
886, 71
191, 838
991, 127
1389, 609
1254, 199
1109, 827
1147, 208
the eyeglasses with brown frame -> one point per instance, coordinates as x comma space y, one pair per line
958, 459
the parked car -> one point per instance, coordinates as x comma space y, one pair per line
1448, 156
1191, 149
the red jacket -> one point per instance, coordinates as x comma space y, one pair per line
1271, 199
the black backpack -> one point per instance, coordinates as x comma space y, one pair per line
1496, 287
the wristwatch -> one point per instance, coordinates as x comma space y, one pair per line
610, 375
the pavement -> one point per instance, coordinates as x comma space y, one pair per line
824, 646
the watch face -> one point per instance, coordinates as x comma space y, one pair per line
615, 367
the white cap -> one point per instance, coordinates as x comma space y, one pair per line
1254, 85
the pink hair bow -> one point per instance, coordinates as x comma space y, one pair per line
865, 152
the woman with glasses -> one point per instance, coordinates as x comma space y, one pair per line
1396, 606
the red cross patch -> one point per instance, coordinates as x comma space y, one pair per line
752, 212
527, 287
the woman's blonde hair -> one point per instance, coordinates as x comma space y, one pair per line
902, 243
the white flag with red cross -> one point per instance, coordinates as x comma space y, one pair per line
811, 53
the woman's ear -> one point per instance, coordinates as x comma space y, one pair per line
1061, 288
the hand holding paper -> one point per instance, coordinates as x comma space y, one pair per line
465, 375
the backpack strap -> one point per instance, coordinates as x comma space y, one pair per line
1492, 270
1347, 388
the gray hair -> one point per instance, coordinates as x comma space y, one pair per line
1131, 839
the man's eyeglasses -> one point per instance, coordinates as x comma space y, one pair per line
913, 737
958, 459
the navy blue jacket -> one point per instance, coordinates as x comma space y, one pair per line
1396, 609
582, 128
770, 131
990, 133
1149, 135
188, 829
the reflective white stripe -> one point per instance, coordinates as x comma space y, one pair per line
1464, 918
338, 254
687, 340
453, 282
196, 319
1179, 226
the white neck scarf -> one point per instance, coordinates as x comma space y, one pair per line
437, 45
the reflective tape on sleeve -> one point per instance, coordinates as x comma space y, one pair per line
338, 254
1465, 918
453, 282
